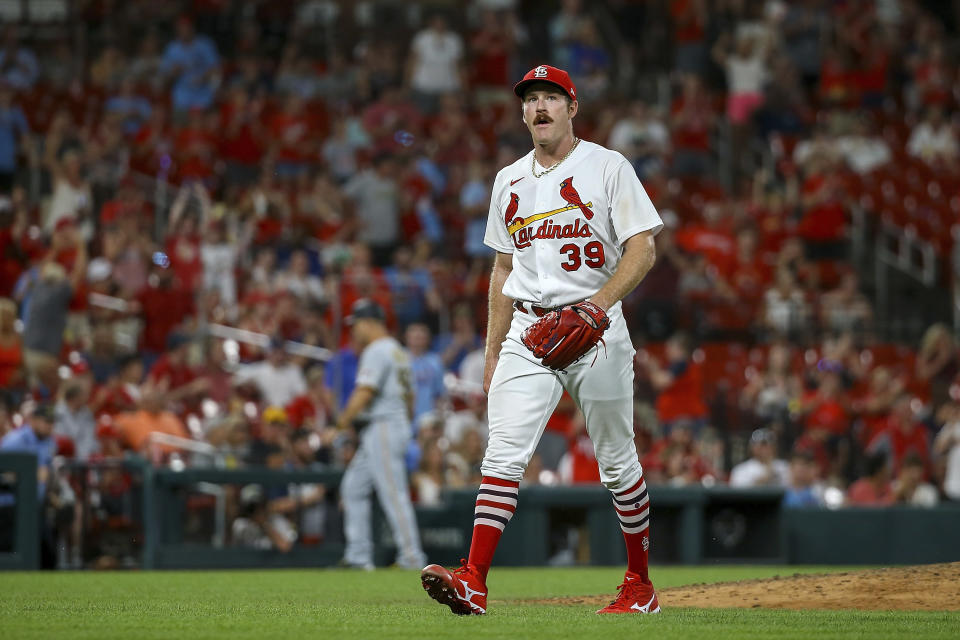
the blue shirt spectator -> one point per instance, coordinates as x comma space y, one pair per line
34, 438
135, 110
190, 59
428, 372
341, 374
409, 287
18, 65
13, 127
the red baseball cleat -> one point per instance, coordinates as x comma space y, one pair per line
463, 590
634, 597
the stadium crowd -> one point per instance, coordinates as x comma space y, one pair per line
194, 194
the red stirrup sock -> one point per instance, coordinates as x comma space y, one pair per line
633, 510
496, 502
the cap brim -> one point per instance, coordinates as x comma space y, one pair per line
521, 86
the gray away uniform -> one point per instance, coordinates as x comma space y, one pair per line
379, 462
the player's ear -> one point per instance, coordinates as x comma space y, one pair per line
573, 106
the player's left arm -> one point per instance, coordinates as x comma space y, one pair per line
639, 254
359, 400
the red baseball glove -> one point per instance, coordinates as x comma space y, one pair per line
564, 335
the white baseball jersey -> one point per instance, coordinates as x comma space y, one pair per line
566, 229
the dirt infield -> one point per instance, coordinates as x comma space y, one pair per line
933, 587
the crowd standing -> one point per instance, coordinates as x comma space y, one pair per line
194, 194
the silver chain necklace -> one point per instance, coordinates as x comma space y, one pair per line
533, 161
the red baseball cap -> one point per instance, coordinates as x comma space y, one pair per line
546, 73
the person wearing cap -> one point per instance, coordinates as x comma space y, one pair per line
380, 409
571, 224
35, 437
762, 469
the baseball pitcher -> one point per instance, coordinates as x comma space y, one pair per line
573, 229
380, 408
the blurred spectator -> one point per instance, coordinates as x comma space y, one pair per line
938, 363
768, 394
786, 311
676, 459
804, 489
462, 338
298, 280
192, 62
565, 26
862, 149
428, 370
377, 199
845, 308
947, 447
11, 348
435, 65
313, 411
435, 474
14, 136
679, 385
72, 197
933, 139
762, 469
46, 300
642, 138
151, 416
271, 443
745, 62
277, 378
579, 464
692, 119
33, 437
304, 503
909, 487
873, 489
903, 436
18, 64
256, 527
173, 374
74, 420
877, 403
415, 298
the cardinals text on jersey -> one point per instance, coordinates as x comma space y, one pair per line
566, 229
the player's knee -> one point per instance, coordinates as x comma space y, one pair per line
619, 476
503, 468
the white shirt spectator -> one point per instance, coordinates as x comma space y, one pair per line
79, 426
864, 154
219, 262
932, 142
278, 384
630, 131
746, 75
436, 64
753, 473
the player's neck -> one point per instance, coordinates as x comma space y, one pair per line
551, 153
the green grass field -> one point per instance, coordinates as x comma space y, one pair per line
390, 604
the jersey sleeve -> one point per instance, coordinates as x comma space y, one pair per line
496, 236
631, 210
373, 368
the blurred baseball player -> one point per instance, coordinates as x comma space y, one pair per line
380, 408
573, 229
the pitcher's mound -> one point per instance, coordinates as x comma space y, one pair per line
934, 587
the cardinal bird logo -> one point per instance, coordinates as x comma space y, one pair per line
512, 210
569, 193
